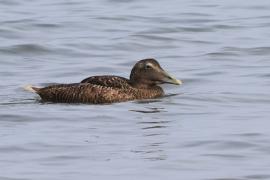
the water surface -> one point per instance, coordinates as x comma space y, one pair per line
215, 126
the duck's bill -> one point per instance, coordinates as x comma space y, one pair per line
171, 80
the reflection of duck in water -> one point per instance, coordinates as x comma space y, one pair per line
145, 77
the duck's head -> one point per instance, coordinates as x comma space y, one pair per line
148, 72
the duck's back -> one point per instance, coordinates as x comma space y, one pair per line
108, 81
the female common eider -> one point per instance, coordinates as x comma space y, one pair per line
145, 77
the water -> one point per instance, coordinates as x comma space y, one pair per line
216, 127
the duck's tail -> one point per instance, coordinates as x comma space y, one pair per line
30, 88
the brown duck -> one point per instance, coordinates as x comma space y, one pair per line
145, 78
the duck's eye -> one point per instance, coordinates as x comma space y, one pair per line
148, 66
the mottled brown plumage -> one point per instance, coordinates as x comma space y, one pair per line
108, 81
145, 77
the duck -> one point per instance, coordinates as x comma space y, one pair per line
144, 83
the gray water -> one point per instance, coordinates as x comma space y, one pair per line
213, 127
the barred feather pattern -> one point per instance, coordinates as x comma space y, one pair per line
95, 94
108, 81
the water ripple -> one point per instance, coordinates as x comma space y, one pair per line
25, 49
214, 126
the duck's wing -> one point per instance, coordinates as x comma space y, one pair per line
108, 81
84, 93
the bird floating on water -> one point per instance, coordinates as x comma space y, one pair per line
145, 78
